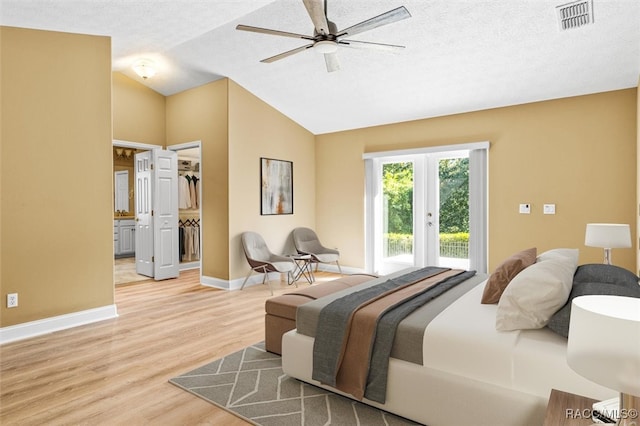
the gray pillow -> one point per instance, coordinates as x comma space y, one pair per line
611, 280
601, 273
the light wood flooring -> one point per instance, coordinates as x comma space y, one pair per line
124, 271
116, 372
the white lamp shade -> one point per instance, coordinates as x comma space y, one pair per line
604, 341
608, 235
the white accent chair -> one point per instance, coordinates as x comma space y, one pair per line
307, 242
262, 260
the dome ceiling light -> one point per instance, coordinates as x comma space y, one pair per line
145, 68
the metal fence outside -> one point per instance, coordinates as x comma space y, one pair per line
400, 246
397, 247
455, 249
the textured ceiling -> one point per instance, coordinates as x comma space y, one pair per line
460, 56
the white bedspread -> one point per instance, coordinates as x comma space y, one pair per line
463, 340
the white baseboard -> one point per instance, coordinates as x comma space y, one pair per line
214, 282
26, 330
256, 278
330, 267
189, 265
233, 285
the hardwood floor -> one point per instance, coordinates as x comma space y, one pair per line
124, 271
117, 371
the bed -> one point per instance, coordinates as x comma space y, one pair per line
470, 372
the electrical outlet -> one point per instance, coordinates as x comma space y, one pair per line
12, 300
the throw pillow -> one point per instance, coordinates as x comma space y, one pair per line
595, 279
505, 272
559, 252
536, 293
603, 273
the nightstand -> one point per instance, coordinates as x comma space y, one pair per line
567, 409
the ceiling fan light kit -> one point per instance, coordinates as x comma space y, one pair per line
326, 38
325, 46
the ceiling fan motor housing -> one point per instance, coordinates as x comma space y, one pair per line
333, 30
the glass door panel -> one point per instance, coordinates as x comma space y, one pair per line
453, 213
396, 238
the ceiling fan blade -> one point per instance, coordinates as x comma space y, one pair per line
316, 10
332, 62
370, 45
287, 53
272, 32
389, 17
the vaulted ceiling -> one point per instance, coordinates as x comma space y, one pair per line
460, 55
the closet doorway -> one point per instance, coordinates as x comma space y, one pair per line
189, 203
189, 164
124, 217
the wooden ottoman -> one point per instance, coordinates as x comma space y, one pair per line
280, 315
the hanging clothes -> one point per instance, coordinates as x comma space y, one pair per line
192, 192
196, 242
184, 193
189, 243
181, 241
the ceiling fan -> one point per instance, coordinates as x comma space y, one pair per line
326, 38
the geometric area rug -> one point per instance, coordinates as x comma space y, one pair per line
250, 383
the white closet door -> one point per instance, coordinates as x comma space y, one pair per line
156, 175
165, 214
144, 218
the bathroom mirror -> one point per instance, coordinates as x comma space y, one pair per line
121, 191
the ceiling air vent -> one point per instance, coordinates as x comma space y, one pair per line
575, 14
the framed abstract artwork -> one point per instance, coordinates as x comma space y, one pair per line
276, 186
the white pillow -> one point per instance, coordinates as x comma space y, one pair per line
560, 252
537, 292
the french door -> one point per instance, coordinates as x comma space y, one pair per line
418, 211
397, 234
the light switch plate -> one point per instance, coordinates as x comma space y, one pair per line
525, 208
549, 209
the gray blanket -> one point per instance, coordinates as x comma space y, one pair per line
407, 345
334, 317
386, 331
333, 321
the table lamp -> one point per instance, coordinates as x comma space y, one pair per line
607, 236
604, 347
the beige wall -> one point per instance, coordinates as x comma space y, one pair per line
637, 271
579, 153
138, 116
236, 129
138, 112
57, 245
201, 114
258, 130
